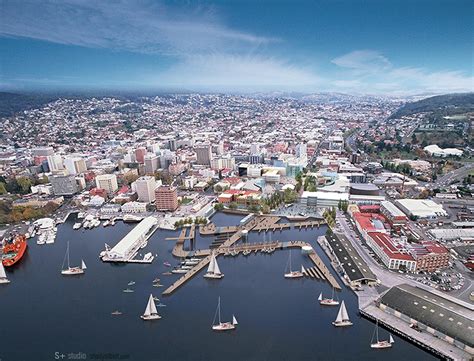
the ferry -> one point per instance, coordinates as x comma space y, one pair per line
13, 250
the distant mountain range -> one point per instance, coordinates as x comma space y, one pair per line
448, 104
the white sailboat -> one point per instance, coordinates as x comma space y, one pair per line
328, 301
292, 274
150, 311
222, 326
342, 318
380, 344
3, 275
71, 271
213, 270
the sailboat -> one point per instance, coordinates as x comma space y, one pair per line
328, 301
380, 344
71, 271
342, 318
3, 275
223, 326
150, 311
213, 270
292, 274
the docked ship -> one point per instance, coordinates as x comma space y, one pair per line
13, 250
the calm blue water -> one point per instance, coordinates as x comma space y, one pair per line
43, 312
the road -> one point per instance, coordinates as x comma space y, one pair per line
457, 174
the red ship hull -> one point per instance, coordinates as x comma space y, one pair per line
13, 252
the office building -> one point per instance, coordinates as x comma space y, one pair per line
145, 187
108, 182
55, 163
152, 163
64, 185
166, 198
140, 155
75, 165
203, 154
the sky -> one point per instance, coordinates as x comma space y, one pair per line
382, 47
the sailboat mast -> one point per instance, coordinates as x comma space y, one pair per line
219, 309
68, 265
290, 262
377, 328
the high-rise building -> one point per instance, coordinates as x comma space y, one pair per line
108, 182
172, 144
203, 154
145, 187
224, 162
301, 150
75, 165
140, 154
166, 198
55, 163
220, 148
64, 185
152, 163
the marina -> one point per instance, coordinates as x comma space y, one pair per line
252, 280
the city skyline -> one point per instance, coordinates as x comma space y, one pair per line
402, 48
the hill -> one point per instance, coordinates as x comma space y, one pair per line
10, 103
448, 104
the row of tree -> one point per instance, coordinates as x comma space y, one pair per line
189, 220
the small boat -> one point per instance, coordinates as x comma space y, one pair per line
77, 225
128, 290
144, 245
148, 257
156, 299
167, 264
222, 326
72, 271
106, 223
191, 263
41, 239
292, 274
85, 225
150, 311
81, 215
167, 273
160, 305
213, 271
195, 259
186, 267
380, 344
156, 280
179, 270
328, 301
3, 275
342, 319
131, 283
116, 313
157, 285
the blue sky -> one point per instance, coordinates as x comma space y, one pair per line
368, 46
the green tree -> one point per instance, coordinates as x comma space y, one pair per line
25, 184
3, 190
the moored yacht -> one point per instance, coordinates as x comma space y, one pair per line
380, 344
290, 273
72, 271
342, 319
328, 301
151, 312
213, 270
222, 326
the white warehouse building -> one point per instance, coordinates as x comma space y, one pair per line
129, 244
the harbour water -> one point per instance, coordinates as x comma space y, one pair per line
44, 314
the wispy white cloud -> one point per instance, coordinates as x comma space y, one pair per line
144, 26
371, 71
363, 60
227, 72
